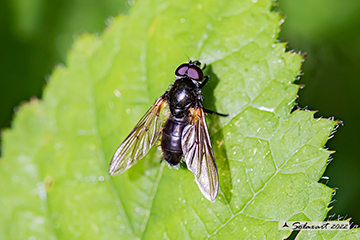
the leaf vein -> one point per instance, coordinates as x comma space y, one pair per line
151, 201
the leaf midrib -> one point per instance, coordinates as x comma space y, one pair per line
119, 203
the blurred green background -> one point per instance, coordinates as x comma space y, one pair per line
36, 35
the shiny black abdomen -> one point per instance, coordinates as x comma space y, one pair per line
181, 96
171, 139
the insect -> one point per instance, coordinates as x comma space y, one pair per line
184, 133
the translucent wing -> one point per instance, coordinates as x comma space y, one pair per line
140, 140
198, 154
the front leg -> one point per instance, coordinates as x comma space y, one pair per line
203, 68
204, 82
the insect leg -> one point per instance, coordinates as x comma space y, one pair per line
203, 68
213, 112
205, 81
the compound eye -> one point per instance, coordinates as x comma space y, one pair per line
195, 73
182, 69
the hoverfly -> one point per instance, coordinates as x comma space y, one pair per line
184, 133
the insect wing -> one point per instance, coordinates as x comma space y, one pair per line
198, 154
138, 143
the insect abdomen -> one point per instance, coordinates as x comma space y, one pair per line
171, 139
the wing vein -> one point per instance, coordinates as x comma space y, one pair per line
140, 140
199, 156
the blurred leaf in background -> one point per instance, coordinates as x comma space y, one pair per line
35, 37
328, 31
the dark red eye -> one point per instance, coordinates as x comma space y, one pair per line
182, 69
191, 71
195, 73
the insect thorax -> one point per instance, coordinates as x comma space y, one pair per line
182, 96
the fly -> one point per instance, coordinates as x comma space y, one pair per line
184, 133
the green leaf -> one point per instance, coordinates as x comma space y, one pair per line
56, 155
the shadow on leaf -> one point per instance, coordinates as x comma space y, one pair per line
213, 122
